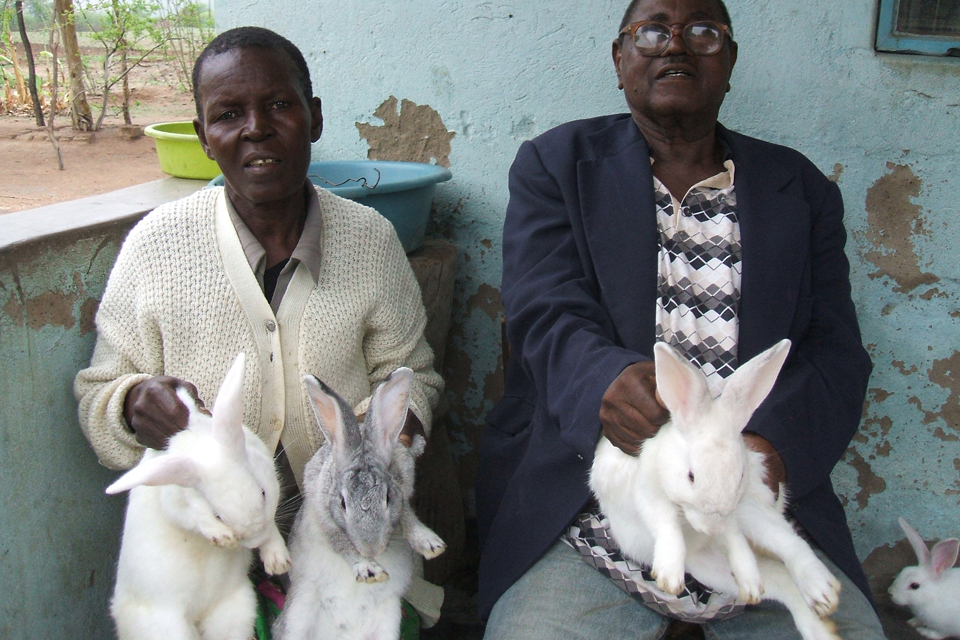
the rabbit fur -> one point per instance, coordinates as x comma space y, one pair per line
694, 499
195, 511
353, 541
931, 589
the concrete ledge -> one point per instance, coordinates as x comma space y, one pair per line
32, 225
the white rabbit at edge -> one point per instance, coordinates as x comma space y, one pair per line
931, 589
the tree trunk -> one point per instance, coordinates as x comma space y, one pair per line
126, 86
31, 68
80, 112
124, 51
51, 132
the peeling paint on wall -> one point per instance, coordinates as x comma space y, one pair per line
88, 314
54, 308
955, 489
837, 172
868, 481
946, 373
486, 299
416, 134
893, 221
14, 309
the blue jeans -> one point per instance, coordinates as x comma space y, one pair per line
562, 597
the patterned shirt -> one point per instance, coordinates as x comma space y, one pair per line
698, 284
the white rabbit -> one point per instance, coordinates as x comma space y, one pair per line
932, 589
695, 498
195, 511
353, 540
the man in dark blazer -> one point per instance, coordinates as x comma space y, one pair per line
580, 270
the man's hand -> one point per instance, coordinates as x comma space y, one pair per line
154, 412
776, 471
411, 428
631, 410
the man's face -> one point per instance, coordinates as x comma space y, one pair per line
257, 125
674, 83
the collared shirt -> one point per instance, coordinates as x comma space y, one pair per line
698, 284
307, 252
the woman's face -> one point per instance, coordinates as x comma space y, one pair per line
257, 125
674, 84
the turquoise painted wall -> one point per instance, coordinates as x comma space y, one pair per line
885, 127
59, 533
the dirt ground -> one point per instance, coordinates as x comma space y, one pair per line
94, 162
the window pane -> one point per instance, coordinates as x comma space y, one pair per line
929, 17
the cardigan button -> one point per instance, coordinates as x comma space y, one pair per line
271, 326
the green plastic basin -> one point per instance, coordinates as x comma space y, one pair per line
179, 151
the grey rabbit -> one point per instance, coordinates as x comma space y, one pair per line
353, 541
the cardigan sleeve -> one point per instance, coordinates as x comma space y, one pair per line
128, 351
394, 335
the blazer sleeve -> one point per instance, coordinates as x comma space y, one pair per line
815, 407
557, 325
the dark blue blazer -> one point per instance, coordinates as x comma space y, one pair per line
579, 290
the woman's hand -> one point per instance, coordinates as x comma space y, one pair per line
155, 413
631, 410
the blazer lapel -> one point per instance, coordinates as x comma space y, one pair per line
775, 232
620, 227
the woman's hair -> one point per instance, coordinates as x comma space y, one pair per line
251, 38
724, 14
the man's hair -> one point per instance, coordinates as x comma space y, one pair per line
252, 38
724, 14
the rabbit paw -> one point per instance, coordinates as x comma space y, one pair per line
369, 571
750, 593
427, 543
743, 565
819, 587
276, 558
669, 578
221, 536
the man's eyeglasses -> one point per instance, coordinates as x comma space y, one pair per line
704, 38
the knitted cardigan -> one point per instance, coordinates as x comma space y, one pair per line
182, 301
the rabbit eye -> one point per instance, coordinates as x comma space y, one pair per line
690, 476
343, 503
914, 586
218, 517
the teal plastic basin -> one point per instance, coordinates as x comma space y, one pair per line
403, 193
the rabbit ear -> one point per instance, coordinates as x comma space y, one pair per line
388, 409
751, 382
944, 555
228, 410
919, 546
168, 469
326, 409
681, 385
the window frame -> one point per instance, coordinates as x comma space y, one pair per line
889, 41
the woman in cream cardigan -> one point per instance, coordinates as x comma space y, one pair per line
302, 281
